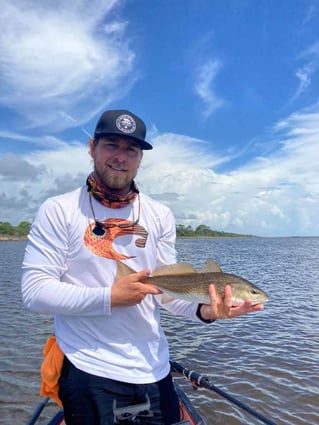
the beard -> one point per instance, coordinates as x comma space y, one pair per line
113, 182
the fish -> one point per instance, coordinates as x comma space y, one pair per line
182, 281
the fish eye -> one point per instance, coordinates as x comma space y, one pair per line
254, 291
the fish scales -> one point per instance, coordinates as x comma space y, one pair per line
194, 287
181, 281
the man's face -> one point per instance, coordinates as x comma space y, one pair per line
116, 161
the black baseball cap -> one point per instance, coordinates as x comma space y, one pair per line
121, 121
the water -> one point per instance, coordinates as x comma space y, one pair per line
268, 360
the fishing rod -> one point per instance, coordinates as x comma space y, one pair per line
38, 411
202, 381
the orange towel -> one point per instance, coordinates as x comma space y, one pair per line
51, 370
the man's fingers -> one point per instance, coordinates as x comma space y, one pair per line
228, 297
149, 288
213, 299
212, 293
131, 290
140, 276
221, 306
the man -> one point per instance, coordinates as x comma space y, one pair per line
115, 351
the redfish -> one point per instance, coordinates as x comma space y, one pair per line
182, 281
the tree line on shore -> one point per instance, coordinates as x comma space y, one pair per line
203, 231
7, 229
22, 229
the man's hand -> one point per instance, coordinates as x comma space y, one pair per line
130, 290
221, 307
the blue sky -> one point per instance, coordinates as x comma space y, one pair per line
228, 89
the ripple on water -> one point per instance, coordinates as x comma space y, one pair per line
269, 360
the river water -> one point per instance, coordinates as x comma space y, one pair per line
267, 360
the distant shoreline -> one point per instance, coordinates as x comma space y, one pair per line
7, 238
24, 238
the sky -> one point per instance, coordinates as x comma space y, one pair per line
228, 89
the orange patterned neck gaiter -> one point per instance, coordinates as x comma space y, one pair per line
106, 198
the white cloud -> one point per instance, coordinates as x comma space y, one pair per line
204, 86
55, 59
310, 13
276, 195
45, 141
30, 178
15, 168
304, 80
305, 73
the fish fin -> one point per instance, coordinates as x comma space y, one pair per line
211, 266
178, 268
122, 270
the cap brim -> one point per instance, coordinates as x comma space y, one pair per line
143, 144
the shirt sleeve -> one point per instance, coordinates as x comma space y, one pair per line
42, 286
166, 252
180, 308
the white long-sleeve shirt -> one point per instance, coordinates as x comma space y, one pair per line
63, 276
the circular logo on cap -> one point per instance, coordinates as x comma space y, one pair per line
126, 124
